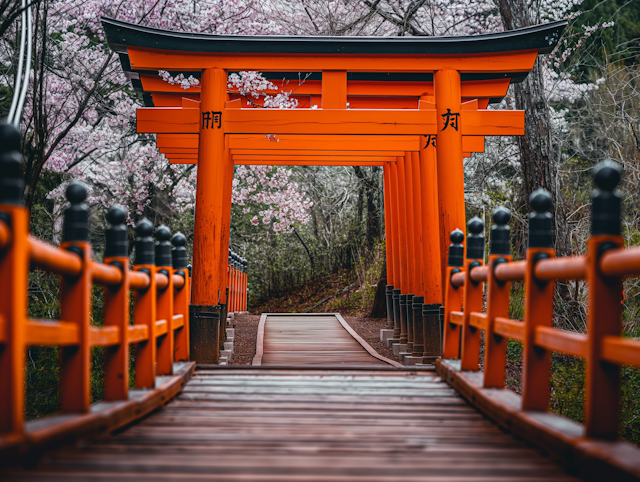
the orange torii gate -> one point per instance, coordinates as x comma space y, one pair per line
377, 96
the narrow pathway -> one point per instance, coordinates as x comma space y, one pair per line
323, 339
317, 425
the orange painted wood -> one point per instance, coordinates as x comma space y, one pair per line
106, 275
184, 155
106, 336
563, 341
164, 310
156, 59
407, 189
403, 240
52, 333
334, 89
514, 271
5, 235
161, 327
495, 351
329, 121
621, 262
75, 307
14, 265
145, 314
178, 150
621, 351
395, 232
451, 332
478, 320
418, 216
152, 83
243, 157
178, 321
189, 141
509, 328
493, 123
472, 301
138, 280
317, 142
538, 312
602, 380
47, 257
456, 317
449, 155
388, 223
268, 153
308, 163
213, 198
171, 100
472, 143
433, 260
458, 279
167, 120
138, 333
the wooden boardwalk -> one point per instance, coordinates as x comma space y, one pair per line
323, 339
259, 424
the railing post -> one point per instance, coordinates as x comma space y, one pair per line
14, 271
605, 308
145, 306
116, 307
495, 346
538, 304
473, 297
75, 305
181, 296
453, 298
164, 307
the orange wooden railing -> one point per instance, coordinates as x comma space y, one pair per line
159, 279
237, 283
604, 267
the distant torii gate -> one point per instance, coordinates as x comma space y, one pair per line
382, 101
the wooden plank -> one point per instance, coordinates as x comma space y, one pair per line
324, 425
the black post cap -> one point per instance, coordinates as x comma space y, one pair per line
541, 220
500, 237
189, 268
179, 252
163, 246
116, 236
475, 239
606, 200
11, 180
76, 214
396, 293
145, 253
456, 250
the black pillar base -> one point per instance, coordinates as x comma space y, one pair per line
432, 330
389, 297
410, 323
418, 330
396, 314
204, 333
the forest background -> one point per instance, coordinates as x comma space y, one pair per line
316, 234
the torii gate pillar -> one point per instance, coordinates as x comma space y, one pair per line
211, 231
448, 156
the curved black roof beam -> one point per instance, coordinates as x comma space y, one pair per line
540, 37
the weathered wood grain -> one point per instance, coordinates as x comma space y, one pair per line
323, 339
328, 425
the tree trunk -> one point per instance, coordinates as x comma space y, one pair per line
379, 308
537, 154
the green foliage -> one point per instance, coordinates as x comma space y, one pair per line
621, 39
